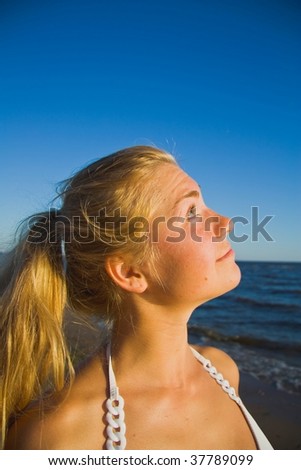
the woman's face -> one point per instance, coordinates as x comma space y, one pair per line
196, 262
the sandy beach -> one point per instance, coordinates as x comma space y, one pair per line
277, 413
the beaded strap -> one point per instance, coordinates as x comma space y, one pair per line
217, 376
115, 429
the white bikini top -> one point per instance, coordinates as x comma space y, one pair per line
116, 428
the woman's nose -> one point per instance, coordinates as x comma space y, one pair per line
221, 226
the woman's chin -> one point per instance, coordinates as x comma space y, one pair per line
232, 278
235, 276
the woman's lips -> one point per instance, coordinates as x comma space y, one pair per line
228, 254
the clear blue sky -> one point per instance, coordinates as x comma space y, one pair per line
216, 82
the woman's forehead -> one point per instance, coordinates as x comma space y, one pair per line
171, 187
177, 182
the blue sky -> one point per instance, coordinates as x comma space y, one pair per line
215, 82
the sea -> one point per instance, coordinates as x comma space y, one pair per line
258, 324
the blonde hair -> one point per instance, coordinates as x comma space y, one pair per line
60, 261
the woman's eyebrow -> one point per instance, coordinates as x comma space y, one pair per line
192, 193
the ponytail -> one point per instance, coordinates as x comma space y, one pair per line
33, 352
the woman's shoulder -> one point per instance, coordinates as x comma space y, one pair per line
25, 431
223, 363
65, 420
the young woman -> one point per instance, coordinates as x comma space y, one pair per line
135, 244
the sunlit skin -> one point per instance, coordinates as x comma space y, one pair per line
193, 271
171, 402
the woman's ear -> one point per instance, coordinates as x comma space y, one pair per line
125, 275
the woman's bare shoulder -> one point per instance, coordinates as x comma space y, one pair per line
222, 362
25, 432
67, 420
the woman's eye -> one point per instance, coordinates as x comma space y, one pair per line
192, 212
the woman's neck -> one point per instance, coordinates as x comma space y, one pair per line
153, 346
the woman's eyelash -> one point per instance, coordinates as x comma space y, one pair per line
192, 212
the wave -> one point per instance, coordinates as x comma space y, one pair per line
267, 304
265, 343
287, 291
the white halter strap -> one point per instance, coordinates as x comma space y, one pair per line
216, 376
115, 429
